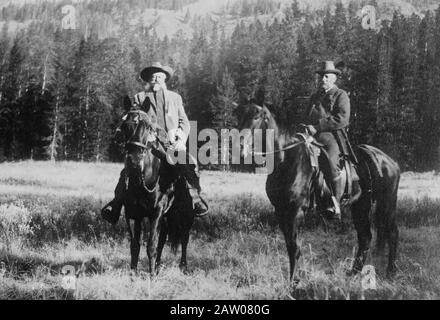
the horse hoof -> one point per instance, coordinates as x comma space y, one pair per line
294, 282
353, 272
158, 268
391, 272
133, 274
183, 268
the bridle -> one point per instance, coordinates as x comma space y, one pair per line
144, 147
304, 138
138, 121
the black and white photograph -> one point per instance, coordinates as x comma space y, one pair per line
220, 155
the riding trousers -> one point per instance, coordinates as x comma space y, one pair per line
332, 149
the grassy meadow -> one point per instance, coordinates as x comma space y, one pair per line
49, 218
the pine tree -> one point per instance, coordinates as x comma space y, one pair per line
12, 92
60, 86
403, 68
199, 77
425, 87
384, 110
222, 107
4, 46
223, 102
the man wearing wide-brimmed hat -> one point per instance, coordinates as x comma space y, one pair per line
329, 114
166, 107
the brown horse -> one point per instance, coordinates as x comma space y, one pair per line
154, 191
290, 188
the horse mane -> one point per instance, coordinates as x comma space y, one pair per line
143, 116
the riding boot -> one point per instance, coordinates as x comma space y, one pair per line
192, 178
112, 211
334, 209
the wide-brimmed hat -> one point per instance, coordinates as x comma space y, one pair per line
154, 68
328, 67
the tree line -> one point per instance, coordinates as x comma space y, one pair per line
63, 92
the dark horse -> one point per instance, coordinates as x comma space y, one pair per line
290, 188
153, 192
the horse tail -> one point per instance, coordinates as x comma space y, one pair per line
369, 155
385, 177
173, 231
180, 217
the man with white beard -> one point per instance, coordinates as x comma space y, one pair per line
165, 107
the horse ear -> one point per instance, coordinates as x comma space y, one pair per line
127, 103
260, 96
244, 98
269, 106
341, 65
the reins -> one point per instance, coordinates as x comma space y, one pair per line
145, 147
280, 150
156, 184
305, 139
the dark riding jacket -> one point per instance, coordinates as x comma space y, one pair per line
329, 111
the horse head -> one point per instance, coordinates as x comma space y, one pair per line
138, 132
253, 117
295, 155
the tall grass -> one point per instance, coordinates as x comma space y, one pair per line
49, 219
54, 219
413, 212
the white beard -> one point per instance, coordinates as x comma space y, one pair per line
158, 86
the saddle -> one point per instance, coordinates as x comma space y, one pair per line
319, 160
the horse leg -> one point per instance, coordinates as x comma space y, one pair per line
381, 239
183, 263
162, 239
288, 226
381, 222
135, 246
392, 234
361, 220
153, 240
387, 231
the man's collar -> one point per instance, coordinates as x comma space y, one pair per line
164, 88
332, 89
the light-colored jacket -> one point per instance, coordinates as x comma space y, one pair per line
175, 116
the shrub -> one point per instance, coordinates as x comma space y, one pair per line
15, 223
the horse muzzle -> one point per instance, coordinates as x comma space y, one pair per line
246, 146
136, 161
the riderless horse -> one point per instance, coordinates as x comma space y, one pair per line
293, 186
153, 192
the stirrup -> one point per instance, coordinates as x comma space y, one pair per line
198, 215
334, 212
108, 214
336, 206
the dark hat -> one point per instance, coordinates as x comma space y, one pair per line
328, 67
154, 68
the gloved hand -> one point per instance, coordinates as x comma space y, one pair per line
178, 145
312, 130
